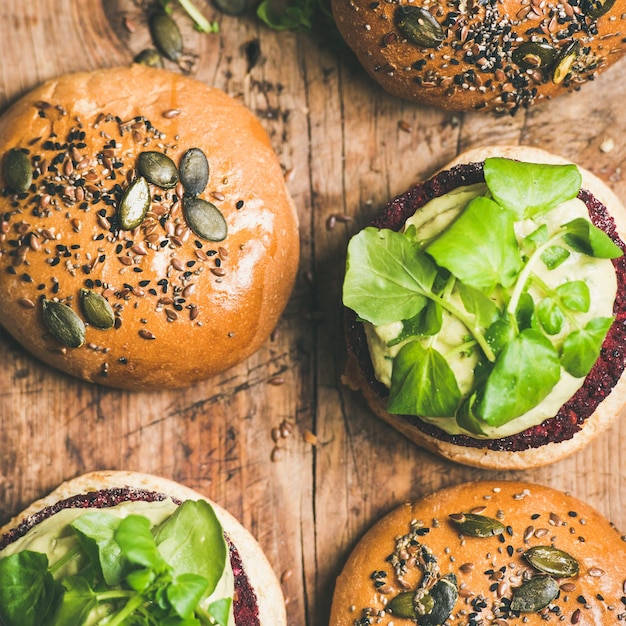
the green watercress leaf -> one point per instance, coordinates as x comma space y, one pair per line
550, 316
467, 419
500, 333
288, 14
192, 542
479, 247
538, 236
575, 295
220, 611
480, 305
27, 589
554, 256
140, 579
588, 239
427, 322
523, 375
581, 348
386, 276
78, 601
185, 593
530, 189
413, 390
524, 311
137, 544
96, 533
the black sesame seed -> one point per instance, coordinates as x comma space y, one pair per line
239, 204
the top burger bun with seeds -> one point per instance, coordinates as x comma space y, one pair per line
466, 55
147, 238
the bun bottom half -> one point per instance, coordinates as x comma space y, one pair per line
487, 569
269, 596
359, 373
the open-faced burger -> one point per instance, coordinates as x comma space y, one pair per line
129, 548
486, 309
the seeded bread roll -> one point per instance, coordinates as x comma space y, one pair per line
264, 607
105, 208
593, 408
482, 55
485, 579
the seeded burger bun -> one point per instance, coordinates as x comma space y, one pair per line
588, 408
498, 553
258, 599
147, 238
482, 55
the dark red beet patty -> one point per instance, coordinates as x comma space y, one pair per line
245, 605
600, 380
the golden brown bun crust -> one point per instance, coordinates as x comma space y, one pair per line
563, 521
220, 301
259, 571
606, 413
476, 66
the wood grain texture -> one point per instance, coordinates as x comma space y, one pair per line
346, 147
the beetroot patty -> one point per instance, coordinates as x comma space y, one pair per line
598, 383
245, 605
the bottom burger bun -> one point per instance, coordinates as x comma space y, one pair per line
498, 553
257, 600
586, 414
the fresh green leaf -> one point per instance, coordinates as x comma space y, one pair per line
550, 316
427, 322
588, 239
581, 348
220, 611
185, 593
96, 533
575, 295
530, 189
288, 14
538, 236
386, 276
137, 543
466, 418
554, 256
192, 542
499, 334
481, 306
413, 387
78, 601
524, 311
479, 247
523, 375
140, 579
27, 589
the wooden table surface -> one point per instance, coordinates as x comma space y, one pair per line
346, 147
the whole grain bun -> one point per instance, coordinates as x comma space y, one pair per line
269, 595
358, 374
482, 55
186, 307
487, 569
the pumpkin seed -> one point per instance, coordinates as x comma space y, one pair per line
551, 560
435, 606
134, 204
149, 57
63, 323
419, 27
534, 594
194, 171
597, 8
18, 174
564, 62
232, 7
533, 55
166, 36
157, 168
478, 525
97, 309
205, 219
